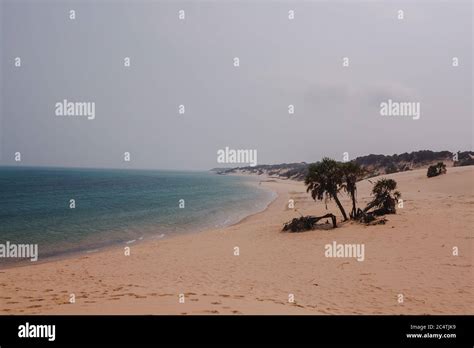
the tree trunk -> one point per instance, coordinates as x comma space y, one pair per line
341, 208
370, 205
354, 209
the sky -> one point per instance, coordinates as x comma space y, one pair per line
190, 62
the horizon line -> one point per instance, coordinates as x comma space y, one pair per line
190, 170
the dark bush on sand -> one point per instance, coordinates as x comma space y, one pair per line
436, 169
306, 223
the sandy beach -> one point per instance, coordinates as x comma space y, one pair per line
412, 255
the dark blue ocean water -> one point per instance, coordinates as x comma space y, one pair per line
117, 206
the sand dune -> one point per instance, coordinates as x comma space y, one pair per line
410, 255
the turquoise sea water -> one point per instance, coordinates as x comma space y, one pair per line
117, 206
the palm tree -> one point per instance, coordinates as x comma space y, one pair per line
324, 180
352, 172
384, 201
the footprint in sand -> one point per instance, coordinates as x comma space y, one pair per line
342, 264
119, 295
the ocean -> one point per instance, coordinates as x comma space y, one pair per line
114, 206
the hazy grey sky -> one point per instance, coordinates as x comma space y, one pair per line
190, 62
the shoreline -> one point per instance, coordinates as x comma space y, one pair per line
410, 254
120, 245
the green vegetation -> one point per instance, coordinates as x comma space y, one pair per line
465, 158
385, 198
352, 172
436, 169
391, 168
306, 223
325, 180
373, 165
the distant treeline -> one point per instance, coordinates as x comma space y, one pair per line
373, 164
